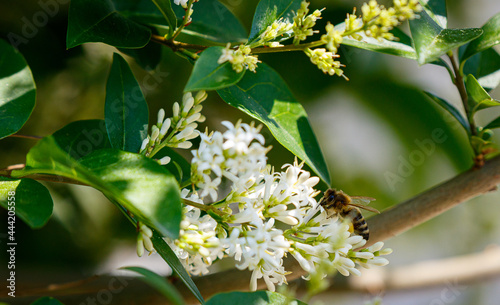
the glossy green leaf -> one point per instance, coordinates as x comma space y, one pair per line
436, 9
268, 11
81, 138
47, 301
178, 166
402, 47
251, 298
490, 38
173, 261
485, 66
17, 90
431, 41
136, 182
30, 200
266, 97
451, 110
159, 283
165, 7
99, 21
493, 124
126, 110
207, 74
213, 22
148, 57
478, 97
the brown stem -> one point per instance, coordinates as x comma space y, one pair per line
176, 45
25, 136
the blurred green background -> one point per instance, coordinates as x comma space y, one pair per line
368, 127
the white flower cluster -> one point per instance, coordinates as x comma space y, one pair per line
182, 126
243, 224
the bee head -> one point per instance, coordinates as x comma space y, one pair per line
337, 197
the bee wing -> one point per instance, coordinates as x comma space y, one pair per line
364, 207
361, 202
362, 199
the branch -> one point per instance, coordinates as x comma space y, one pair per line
389, 223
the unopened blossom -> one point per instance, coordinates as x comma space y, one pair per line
379, 20
240, 58
303, 23
277, 29
144, 239
178, 130
325, 61
333, 38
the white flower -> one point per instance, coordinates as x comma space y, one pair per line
182, 2
209, 187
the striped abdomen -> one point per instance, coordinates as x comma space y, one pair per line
358, 221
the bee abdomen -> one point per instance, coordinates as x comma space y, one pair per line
359, 224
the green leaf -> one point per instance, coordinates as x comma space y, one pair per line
173, 261
451, 110
493, 124
178, 166
99, 21
401, 48
207, 74
485, 66
266, 97
251, 298
134, 181
478, 97
81, 138
30, 200
490, 37
436, 9
212, 22
268, 11
165, 7
159, 283
47, 301
431, 41
126, 110
148, 57
17, 90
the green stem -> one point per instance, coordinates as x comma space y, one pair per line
288, 48
184, 21
203, 207
459, 83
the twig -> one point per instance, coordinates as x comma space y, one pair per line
25, 136
176, 45
459, 83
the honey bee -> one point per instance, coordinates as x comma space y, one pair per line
338, 202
